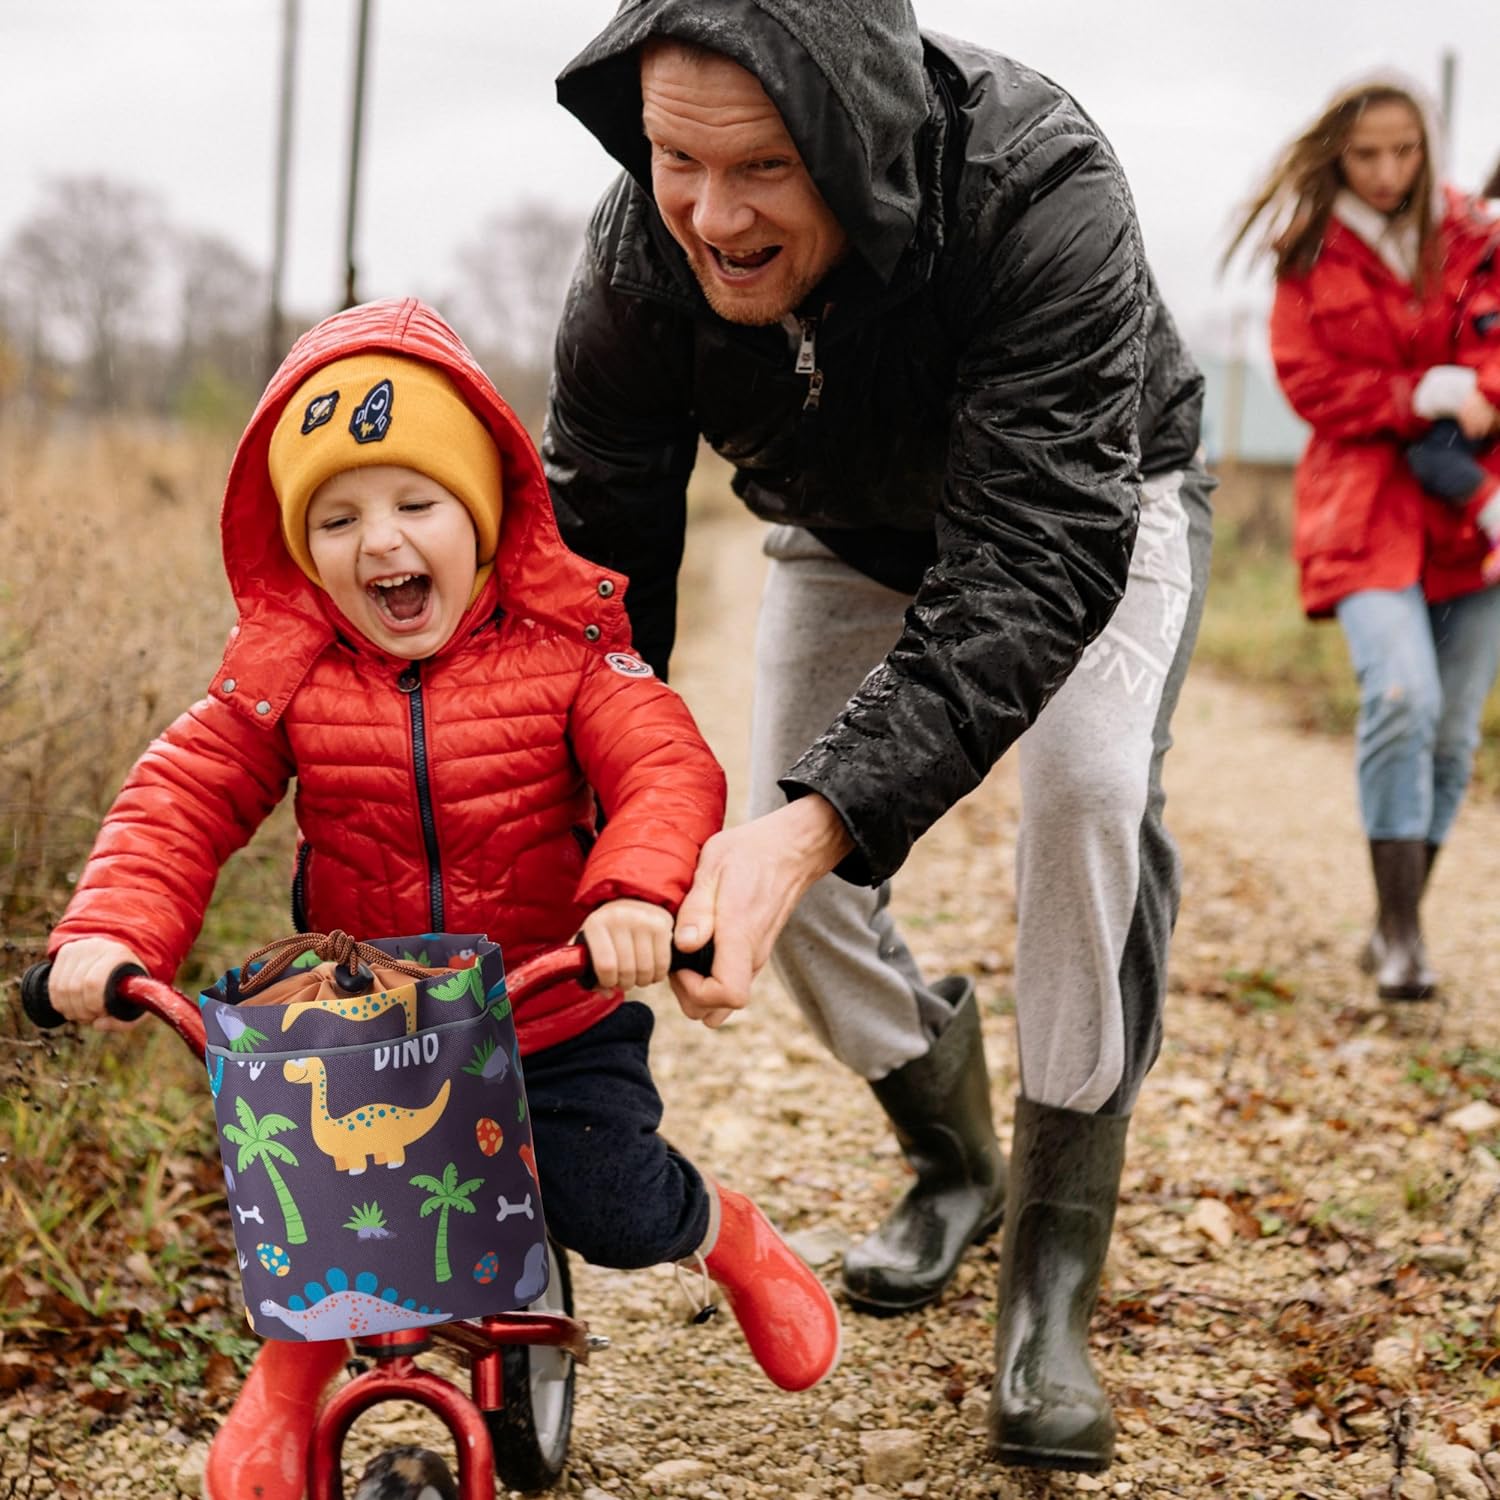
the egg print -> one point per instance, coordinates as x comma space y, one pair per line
488, 1268
489, 1135
273, 1258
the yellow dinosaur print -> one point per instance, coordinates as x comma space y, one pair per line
381, 1131
361, 1007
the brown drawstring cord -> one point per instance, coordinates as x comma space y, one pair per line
336, 945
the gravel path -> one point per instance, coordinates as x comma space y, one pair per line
1301, 1296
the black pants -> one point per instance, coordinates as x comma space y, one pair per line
613, 1190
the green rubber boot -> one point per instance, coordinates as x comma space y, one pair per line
1047, 1408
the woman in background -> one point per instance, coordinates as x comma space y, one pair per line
1376, 269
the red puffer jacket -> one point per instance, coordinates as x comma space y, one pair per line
448, 795
1350, 342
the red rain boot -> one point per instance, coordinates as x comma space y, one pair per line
786, 1315
260, 1453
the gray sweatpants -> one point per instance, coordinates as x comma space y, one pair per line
1097, 875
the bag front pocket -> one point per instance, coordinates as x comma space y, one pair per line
381, 1183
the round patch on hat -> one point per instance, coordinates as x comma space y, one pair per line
319, 410
627, 665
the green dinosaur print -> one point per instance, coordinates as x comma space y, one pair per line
458, 984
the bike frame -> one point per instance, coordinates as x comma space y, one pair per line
396, 1375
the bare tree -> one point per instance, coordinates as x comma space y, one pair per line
87, 260
513, 279
220, 312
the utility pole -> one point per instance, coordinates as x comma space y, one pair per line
274, 335
356, 133
1234, 389
1448, 97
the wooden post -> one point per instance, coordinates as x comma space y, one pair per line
1448, 103
274, 334
356, 133
1234, 390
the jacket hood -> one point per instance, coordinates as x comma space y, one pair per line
846, 77
285, 620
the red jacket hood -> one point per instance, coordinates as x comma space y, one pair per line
285, 620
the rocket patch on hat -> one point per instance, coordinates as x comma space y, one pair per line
319, 410
372, 417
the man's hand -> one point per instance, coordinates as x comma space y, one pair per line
1476, 417
630, 943
748, 880
79, 973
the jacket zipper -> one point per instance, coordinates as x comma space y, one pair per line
806, 363
299, 889
410, 683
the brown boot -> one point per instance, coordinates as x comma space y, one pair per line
1401, 867
1372, 950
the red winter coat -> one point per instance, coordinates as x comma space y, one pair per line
1350, 342
451, 796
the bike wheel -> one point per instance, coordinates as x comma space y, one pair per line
406, 1474
531, 1433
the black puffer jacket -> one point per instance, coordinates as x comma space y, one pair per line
971, 432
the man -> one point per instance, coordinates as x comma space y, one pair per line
897, 282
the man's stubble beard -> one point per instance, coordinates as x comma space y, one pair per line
761, 313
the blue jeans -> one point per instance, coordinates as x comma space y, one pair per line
1424, 672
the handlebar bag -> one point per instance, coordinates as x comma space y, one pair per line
377, 1147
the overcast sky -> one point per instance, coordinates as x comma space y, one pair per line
179, 96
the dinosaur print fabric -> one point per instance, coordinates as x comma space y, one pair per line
377, 1148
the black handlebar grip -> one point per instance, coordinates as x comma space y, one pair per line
121, 1009
701, 962
36, 997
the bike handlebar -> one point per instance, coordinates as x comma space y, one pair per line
130, 991
36, 996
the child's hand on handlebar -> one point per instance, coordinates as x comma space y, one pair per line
629, 943
79, 975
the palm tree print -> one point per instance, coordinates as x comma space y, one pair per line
255, 1138
444, 1195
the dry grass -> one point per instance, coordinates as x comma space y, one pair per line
112, 615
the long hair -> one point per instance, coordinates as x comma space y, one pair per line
1491, 189
1296, 200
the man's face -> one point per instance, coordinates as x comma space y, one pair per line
731, 187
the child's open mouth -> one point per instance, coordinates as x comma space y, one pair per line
744, 264
402, 598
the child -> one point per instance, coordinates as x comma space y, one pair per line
446, 682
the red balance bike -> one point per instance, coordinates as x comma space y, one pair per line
514, 1422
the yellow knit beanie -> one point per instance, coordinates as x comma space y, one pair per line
382, 409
